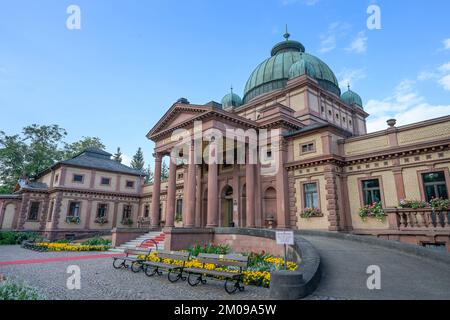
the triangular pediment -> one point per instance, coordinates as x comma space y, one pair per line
177, 115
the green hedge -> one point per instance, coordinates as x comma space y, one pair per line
10, 290
11, 237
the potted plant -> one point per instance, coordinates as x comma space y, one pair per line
127, 221
412, 204
101, 220
73, 220
374, 210
311, 213
270, 221
439, 204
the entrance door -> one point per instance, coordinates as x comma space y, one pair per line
227, 207
8, 217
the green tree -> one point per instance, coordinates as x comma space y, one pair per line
138, 160
118, 155
72, 149
149, 176
164, 171
43, 147
12, 161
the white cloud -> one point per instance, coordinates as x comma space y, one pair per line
350, 77
359, 43
446, 43
445, 83
405, 105
328, 40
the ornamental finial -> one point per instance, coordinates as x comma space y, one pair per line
286, 35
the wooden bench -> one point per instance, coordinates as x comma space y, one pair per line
233, 280
175, 272
132, 259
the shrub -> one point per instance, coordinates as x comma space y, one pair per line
97, 242
209, 248
10, 290
12, 237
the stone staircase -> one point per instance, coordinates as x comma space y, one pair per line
145, 241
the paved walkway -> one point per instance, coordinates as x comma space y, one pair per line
47, 271
403, 276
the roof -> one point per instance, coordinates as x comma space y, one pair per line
273, 73
93, 158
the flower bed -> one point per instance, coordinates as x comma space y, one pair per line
72, 247
257, 273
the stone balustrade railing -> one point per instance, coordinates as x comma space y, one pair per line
418, 219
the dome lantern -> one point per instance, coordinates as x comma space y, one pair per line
352, 98
231, 100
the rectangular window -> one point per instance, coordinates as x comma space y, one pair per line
146, 211
371, 191
130, 184
74, 209
33, 214
311, 195
106, 181
179, 210
434, 185
102, 210
308, 148
127, 211
78, 178
56, 178
180, 176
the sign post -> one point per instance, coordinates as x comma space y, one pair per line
285, 238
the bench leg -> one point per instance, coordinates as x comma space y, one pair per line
175, 274
232, 285
150, 271
136, 266
195, 282
119, 265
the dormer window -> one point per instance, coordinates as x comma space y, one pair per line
308, 147
129, 184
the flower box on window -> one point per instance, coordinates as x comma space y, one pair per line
73, 220
374, 210
311, 213
127, 222
101, 220
412, 204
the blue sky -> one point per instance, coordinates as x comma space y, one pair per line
132, 59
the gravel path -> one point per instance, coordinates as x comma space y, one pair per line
100, 281
403, 276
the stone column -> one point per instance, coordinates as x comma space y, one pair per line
213, 190
156, 195
332, 198
115, 214
192, 183
250, 189
171, 193
198, 197
283, 221
87, 223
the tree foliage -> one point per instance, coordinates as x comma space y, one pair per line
138, 160
118, 155
164, 171
149, 176
36, 149
72, 149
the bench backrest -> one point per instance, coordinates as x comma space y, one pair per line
224, 260
174, 255
137, 252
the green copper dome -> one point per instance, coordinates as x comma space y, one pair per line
273, 73
301, 68
231, 100
350, 97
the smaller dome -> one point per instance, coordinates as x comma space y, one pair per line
231, 100
350, 97
301, 68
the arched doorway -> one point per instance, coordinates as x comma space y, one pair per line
8, 217
227, 207
269, 205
